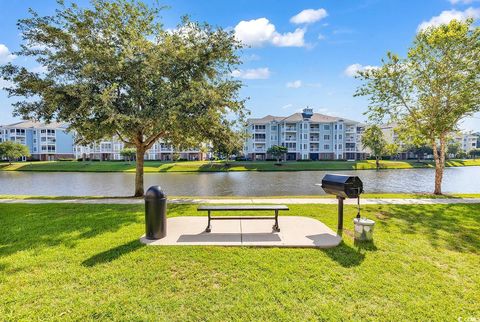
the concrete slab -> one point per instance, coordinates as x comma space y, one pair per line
295, 231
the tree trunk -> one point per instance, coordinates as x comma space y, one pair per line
139, 191
439, 157
377, 163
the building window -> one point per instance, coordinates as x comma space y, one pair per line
326, 137
326, 147
339, 136
340, 126
340, 147
326, 127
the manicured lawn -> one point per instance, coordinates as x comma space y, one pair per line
201, 166
84, 262
364, 196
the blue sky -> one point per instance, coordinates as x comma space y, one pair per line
302, 53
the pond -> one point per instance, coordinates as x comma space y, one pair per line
456, 180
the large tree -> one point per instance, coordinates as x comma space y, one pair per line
428, 92
112, 70
13, 150
373, 139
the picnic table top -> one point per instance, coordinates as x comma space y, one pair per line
243, 207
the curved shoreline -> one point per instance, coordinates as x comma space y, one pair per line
209, 167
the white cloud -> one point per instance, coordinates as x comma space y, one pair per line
5, 55
287, 106
320, 37
259, 32
454, 2
446, 16
258, 73
290, 39
294, 84
309, 16
353, 69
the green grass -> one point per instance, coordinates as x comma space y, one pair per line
364, 196
84, 262
203, 166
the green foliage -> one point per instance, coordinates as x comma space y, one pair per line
474, 152
454, 148
277, 151
128, 153
392, 149
112, 69
428, 92
13, 150
373, 139
228, 143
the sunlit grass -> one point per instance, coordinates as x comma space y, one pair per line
84, 262
363, 196
221, 166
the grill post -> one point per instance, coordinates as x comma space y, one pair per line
340, 213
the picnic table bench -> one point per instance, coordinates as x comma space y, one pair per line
275, 208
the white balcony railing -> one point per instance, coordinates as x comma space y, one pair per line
350, 130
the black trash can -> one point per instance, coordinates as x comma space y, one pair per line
155, 213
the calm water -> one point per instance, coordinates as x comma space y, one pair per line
460, 180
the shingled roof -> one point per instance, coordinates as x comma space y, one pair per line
297, 117
28, 124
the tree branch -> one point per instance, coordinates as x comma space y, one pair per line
152, 139
122, 139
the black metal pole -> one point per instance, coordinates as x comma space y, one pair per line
340, 213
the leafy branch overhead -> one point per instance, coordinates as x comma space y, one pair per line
113, 69
431, 90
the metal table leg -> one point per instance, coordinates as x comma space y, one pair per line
276, 226
209, 228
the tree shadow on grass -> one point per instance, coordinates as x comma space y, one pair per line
113, 254
455, 226
33, 227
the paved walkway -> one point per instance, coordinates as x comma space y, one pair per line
290, 201
295, 231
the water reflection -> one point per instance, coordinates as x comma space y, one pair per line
460, 180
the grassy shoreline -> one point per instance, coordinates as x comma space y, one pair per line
364, 196
84, 262
221, 166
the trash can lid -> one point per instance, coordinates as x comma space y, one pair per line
364, 221
155, 192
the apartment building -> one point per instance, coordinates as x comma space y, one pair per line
47, 142
467, 140
110, 150
44, 141
307, 136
